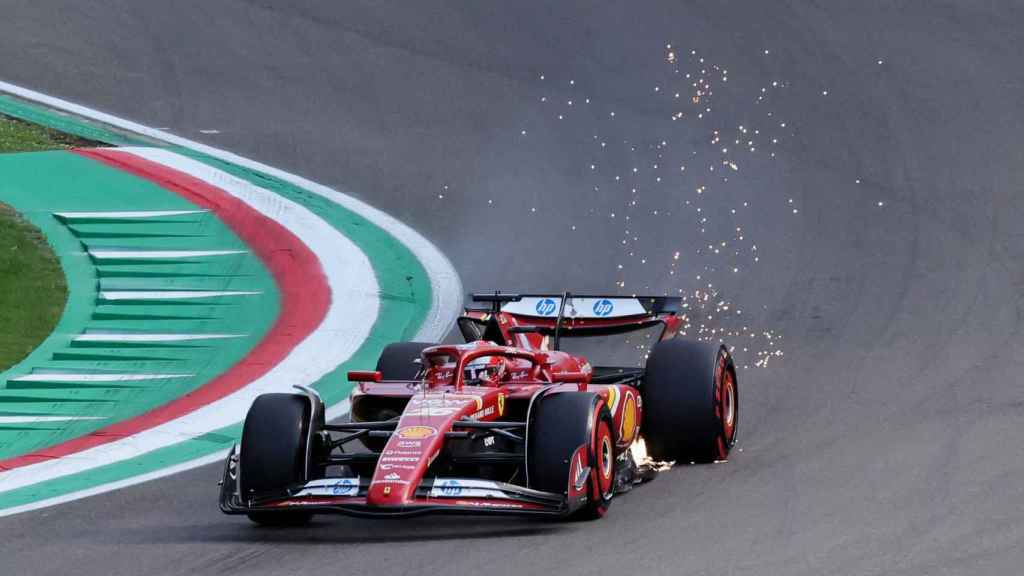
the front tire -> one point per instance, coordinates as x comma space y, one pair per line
273, 452
561, 423
691, 401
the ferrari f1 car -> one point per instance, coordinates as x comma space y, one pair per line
507, 423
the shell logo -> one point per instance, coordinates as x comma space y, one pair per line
628, 430
416, 432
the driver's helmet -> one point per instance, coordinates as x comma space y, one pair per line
486, 369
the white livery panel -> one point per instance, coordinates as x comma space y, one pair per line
576, 307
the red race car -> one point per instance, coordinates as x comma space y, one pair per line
509, 423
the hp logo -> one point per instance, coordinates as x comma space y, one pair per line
451, 488
603, 307
546, 307
344, 487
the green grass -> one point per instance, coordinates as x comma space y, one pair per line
20, 136
32, 289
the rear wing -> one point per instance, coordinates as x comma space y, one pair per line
568, 314
570, 306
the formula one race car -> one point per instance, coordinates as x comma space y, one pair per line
507, 423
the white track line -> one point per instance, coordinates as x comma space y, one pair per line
171, 294
125, 214
62, 377
154, 338
158, 254
43, 419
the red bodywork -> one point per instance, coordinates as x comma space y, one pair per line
444, 398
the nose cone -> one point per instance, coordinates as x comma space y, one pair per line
402, 464
415, 443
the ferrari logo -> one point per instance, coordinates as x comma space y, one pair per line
501, 405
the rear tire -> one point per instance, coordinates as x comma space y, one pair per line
691, 402
398, 361
559, 424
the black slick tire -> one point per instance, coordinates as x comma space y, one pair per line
273, 452
398, 361
690, 402
559, 424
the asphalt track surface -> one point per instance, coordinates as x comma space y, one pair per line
887, 439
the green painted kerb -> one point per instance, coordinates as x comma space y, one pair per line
66, 123
40, 184
406, 294
406, 299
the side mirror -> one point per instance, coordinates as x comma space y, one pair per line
365, 376
573, 377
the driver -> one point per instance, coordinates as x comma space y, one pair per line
486, 370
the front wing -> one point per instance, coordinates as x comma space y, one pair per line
434, 495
